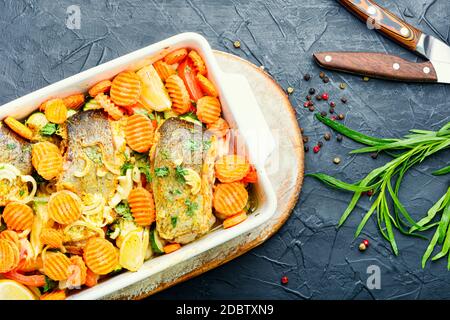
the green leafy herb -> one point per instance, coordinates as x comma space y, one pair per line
21, 193
49, 129
180, 172
161, 172
125, 167
416, 146
192, 144
145, 169
174, 220
191, 207
49, 285
123, 210
165, 154
206, 145
11, 146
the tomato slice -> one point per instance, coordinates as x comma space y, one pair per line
32, 281
187, 73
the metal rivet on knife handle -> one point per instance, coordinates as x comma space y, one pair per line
396, 66
328, 58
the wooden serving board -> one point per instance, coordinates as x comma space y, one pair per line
287, 180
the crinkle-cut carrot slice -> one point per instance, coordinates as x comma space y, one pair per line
46, 159
219, 128
101, 87
9, 255
125, 89
11, 236
231, 168
199, 64
56, 111
230, 198
107, 105
142, 206
56, 265
19, 128
175, 56
91, 278
64, 207
181, 102
139, 133
171, 247
206, 85
18, 216
100, 256
54, 295
77, 272
163, 69
252, 175
208, 109
74, 101
234, 220
52, 238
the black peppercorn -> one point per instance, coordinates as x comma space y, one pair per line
306, 148
312, 91
331, 110
344, 100
374, 155
308, 97
326, 79
339, 137
307, 77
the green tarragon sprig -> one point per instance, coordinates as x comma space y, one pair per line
385, 181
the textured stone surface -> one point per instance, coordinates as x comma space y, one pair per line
322, 262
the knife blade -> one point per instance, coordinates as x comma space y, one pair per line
438, 53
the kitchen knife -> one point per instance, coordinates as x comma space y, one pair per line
395, 68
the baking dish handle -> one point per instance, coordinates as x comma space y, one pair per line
250, 120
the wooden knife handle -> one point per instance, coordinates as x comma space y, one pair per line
377, 65
384, 21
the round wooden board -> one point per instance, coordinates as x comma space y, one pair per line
285, 172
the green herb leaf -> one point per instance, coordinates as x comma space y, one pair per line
145, 169
180, 172
49, 285
191, 207
123, 210
161, 172
125, 167
49, 129
173, 221
11, 146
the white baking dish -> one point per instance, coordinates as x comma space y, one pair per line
240, 110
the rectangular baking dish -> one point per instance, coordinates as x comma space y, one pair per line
240, 110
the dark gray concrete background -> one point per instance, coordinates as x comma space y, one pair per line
36, 49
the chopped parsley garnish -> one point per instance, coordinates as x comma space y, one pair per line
11, 146
206, 145
21, 193
162, 172
49, 284
49, 129
165, 154
145, 169
180, 172
192, 145
174, 221
123, 210
125, 167
191, 207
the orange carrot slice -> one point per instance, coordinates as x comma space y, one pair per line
56, 265
230, 198
219, 128
18, 216
56, 111
11, 236
231, 168
163, 69
46, 159
199, 64
19, 128
64, 207
74, 101
100, 256
51, 237
139, 133
206, 85
142, 206
175, 56
91, 278
101, 87
208, 109
171, 247
252, 175
9, 256
234, 220
125, 89
181, 102
54, 295
107, 105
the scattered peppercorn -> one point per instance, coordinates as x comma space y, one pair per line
312, 91
327, 136
321, 74
319, 97
366, 242
316, 149
332, 104
344, 100
325, 96
362, 247
290, 90
374, 155
308, 97
306, 104
326, 79
341, 116
337, 160
342, 85
323, 113
284, 280
306, 148
237, 44
331, 110
339, 138
333, 118
312, 108
305, 139
307, 77
320, 144
366, 79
